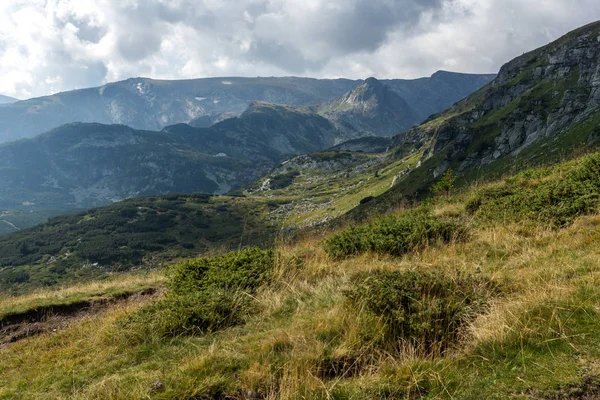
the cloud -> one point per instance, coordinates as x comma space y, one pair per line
54, 45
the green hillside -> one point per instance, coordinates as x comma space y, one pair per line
145, 232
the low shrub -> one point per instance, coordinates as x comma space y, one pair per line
205, 295
394, 235
426, 311
283, 180
191, 314
556, 198
242, 270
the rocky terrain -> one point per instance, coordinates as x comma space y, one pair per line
543, 106
371, 109
153, 104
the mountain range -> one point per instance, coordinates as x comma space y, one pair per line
149, 104
82, 165
541, 107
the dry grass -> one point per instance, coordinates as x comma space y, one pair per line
121, 284
303, 328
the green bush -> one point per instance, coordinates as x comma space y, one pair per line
446, 184
554, 197
191, 314
424, 310
283, 180
394, 235
205, 295
243, 270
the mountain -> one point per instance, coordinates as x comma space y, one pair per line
542, 107
149, 104
431, 95
371, 109
7, 100
84, 165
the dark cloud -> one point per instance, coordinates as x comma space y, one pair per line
53, 45
87, 32
365, 25
283, 55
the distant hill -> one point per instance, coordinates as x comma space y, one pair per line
370, 109
7, 100
142, 231
153, 104
84, 165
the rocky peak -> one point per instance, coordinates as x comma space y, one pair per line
372, 94
370, 109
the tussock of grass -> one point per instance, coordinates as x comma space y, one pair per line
421, 310
205, 295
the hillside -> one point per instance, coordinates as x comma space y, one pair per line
7, 100
542, 107
149, 104
84, 165
484, 293
144, 232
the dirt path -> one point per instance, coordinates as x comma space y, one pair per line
53, 318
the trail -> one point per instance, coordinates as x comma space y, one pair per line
11, 224
52, 318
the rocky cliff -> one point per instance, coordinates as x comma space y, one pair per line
371, 109
542, 105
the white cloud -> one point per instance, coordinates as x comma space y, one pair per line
54, 45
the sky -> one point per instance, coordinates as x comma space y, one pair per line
48, 46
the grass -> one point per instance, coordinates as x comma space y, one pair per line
116, 286
394, 235
320, 327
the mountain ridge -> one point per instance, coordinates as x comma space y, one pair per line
542, 107
148, 104
7, 99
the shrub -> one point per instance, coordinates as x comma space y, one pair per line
553, 199
394, 235
423, 310
191, 314
205, 295
283, 180
445, 185
237, 270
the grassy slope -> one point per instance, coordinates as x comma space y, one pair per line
542, 97
318, 195
540, 337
